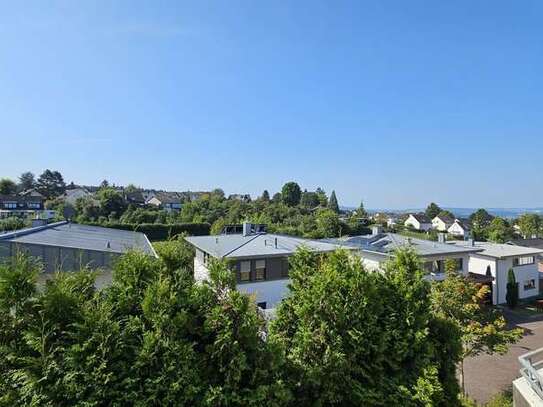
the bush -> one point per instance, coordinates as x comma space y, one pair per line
159, 231
12, 223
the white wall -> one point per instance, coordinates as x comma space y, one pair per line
271, 292
201, 273
499, 269
456, 230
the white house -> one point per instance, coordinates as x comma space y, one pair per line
259, 260
72, 195
442, 222
418, 221
170, 201
496, 259
458, 228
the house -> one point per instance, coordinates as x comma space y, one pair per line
32, 192
442, 222
240, 197
259, 259
392, 221
170, 201
418, 221
72, 195
536, 243
459, 228
23, 206
135, 198
495, 259
376, 249
65, 246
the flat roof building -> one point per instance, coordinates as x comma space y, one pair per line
65, 246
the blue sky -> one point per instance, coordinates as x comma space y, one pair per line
394, 102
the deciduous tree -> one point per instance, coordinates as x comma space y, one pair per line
291, 194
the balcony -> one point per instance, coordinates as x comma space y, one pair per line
528, 390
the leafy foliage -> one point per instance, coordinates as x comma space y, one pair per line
291, 194
354, 337
432, 210
483, 329
511, 295
152, 338
51, 184
7, 187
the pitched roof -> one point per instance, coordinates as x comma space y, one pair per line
19, 198
499, 250
387, 243
536, 243
72, 235
168, 197
258, 245
445, 218
421, 217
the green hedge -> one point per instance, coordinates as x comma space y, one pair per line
161, 231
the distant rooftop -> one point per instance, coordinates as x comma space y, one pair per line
499, 250
387, 243
256, 245
84, 237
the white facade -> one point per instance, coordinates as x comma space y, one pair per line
456, 229
527, 276
439, 224
414, 223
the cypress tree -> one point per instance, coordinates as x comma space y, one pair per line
332, 202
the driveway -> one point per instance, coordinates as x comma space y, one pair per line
486, 375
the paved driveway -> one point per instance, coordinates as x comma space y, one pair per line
487, 375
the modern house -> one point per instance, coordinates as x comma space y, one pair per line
170, 201
65, 246
377, 248
23, 206
259, 259
459, 228
442, 223
418, 221
495, 259
536, 243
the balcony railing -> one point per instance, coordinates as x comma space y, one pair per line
531, 369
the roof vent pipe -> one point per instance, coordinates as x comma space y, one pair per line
276, 243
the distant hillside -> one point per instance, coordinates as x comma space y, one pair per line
466, 212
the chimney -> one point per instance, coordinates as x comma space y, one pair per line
441, 237
376, 229
247, 228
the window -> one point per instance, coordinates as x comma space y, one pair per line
10, 205
523, 261
245, 271
529, 284
207, 257
261, 304
34, 205
260, 270
284, 268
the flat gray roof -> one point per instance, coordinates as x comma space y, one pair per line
259, 245
499, 250
386, 243
73, 235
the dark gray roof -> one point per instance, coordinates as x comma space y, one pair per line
168, 197
386, 243
536, 243
421, 217
85, 237
446, 218
259, 245
21, 198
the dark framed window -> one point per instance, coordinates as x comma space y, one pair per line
523, 261
529, 284
261, 304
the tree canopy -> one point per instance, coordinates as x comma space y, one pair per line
7, 187
432, 210
51, 184
332, 202
291, 194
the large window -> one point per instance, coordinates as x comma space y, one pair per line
245, 271
34, 205
207, 257
10, 205
523, 261
260, 270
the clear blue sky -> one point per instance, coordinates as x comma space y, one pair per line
395, 102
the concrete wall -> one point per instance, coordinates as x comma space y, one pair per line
270, 292
55, 258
